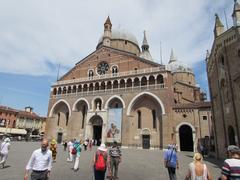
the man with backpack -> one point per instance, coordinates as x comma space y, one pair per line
76, 154
100, 161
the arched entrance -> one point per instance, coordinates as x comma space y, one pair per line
186, 138
97, 123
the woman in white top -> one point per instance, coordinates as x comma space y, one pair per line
5, 146
197, 169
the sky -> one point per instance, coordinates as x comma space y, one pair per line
37, 36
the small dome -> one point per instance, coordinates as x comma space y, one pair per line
121, 34
177, 66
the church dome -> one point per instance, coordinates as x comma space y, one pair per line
121, 34
177, 66
123, 40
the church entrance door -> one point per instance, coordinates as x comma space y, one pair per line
97, 134
146, 141
97, 128
186, 138
59, 137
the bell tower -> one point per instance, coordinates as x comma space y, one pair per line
107, 32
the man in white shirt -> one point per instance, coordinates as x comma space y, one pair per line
5, 146
40, 163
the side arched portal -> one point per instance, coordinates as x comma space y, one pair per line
141, 110
186, 138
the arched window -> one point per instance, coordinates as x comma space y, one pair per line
59, 90
115, 84
222, 60
67, 117
136, 82
96, 86
139, 119
91, 87
151, 80
80, 88
85, 87
58, 121
102, 85
122, 83
74, 89
114, 70
109, 85
90, 74
129, 82
69, 89
154, 119
143, 81
160, 79
64, 90
54, 91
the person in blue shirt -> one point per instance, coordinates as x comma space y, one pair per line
78, 149
171, 161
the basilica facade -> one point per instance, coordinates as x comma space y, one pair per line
119, 93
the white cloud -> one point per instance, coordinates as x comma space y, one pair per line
37, 35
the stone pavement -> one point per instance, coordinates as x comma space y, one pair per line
136, 164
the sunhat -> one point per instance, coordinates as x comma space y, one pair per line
102, 147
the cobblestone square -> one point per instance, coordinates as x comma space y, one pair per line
136, 164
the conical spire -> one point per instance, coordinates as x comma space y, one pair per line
219, 27
108, 21
172, 57
218, 22
236, 13
145, 43
145, 48
107, 32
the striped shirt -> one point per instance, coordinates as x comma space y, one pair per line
115, 152
231, 168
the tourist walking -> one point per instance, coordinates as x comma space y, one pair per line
77, 148
115, 159
85, 144
5, 146
231, 166
171, 161
65, 145
70, 147
40, 163
100, 162
53, 148
197, 169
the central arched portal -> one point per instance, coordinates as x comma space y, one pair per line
97, 123
186, 138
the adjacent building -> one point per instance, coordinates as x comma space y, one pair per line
118, 92
30, 121
223, 69
17, 122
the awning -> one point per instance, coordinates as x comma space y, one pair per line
13, 131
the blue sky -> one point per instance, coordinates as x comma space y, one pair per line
37, 36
